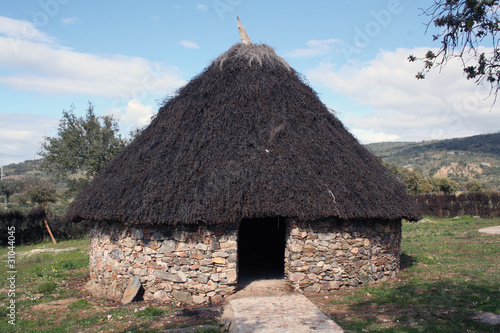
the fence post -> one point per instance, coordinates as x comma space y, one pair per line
47, 225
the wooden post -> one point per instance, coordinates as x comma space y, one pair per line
439, 205
47, 225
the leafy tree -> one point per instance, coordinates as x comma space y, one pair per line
75, 185
464, 26
82, 145
445, 185
474, 186
38, 191
415, 182
8, 188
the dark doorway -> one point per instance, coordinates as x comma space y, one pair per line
261, 249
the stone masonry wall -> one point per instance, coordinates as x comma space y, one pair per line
196, 265
330, 255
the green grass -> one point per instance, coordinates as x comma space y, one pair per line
450, 271
80, 304
41, 273
151, 312
46, 287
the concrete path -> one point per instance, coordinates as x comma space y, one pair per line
291, 313
491, 230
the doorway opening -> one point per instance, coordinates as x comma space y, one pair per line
261, 249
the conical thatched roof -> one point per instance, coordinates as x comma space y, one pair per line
246, 138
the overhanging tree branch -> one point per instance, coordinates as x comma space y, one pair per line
468, 30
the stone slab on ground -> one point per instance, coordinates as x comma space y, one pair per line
491, 230
198, 328
488, 318
283, 313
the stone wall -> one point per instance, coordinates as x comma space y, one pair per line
199, 264
195, 265
330, 255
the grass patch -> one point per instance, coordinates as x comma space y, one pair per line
151, 312
80, 304
449, 272
45, 287
47, 261
42, 272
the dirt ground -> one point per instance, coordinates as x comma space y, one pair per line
261, 287
116, 317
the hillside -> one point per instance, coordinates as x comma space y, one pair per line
26, 169
460, 159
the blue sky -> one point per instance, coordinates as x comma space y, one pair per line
126, 56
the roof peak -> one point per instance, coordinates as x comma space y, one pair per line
260, 54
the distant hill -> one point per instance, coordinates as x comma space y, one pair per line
26, 169
461, 159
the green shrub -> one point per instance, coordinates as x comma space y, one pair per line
46, 287
67, 264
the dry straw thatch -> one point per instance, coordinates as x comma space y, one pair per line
246, 138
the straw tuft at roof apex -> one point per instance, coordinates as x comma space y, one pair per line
260, 54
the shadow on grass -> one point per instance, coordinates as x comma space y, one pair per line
441, 306
407, 261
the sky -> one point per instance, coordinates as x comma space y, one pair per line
127, 56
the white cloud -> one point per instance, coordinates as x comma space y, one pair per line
135, 115
315, 48
201, 7
49, 68
441, 106
70, 20
189, 45
21, 135
33, 61
371, 136
18, 30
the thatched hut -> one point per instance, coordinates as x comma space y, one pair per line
244, 171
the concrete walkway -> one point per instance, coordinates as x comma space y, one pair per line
291, 313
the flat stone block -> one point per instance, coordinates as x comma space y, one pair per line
161, 296
136, 233
167, 246
132, 290
157, 236
219, 261
179, 277
181, 296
